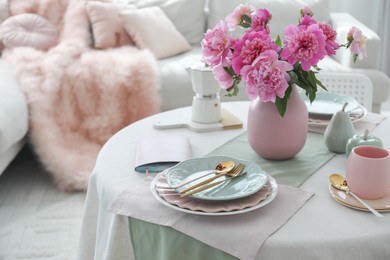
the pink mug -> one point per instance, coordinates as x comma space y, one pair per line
368, 172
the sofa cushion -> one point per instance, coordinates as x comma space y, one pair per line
147, 25
283, 12
107, 26
29, 30
52, 11
188, 16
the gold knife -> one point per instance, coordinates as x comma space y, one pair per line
202, 182
201, 188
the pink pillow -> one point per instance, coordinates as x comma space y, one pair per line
107, 25
150, 28
29, 30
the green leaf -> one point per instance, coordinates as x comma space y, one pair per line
321, 85
281, 103
293, 77
246, 19
316, 68
230, 71
312, 79
278, 42
312, 96
235, 90
288, 92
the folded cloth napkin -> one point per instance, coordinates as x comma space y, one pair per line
370, 121
155, 154
223, 232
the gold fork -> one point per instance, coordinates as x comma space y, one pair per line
235, 172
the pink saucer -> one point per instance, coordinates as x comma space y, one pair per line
381, 205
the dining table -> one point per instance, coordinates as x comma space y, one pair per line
122, 219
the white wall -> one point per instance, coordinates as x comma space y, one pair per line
374, 14
365, 11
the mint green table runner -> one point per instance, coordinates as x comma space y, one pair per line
181, 246
294, 171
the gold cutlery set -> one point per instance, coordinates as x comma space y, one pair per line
235, 171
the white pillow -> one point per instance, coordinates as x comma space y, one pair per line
107, 25
151, 29
188, 16
29, 30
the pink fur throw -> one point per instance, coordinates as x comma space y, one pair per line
79, 97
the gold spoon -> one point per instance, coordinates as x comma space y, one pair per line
222, 167
219, 174
340, 183
237, 171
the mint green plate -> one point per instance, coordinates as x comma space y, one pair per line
247, 184
327, 103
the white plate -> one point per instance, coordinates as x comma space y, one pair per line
250, 182
241, 205
357, 115
326, 103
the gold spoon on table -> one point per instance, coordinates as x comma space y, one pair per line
340, 183
235, 172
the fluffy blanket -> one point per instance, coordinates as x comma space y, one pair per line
79, 97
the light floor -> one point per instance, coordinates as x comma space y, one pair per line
26, 188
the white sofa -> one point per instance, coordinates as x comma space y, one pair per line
192, 18
13, 116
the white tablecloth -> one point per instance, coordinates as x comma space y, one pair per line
322, 229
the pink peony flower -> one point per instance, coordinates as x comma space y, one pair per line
224, 79
331, 45
267, 77
260, 20
215, 45
247, 49
306, 46
357, 41
306, 21
234, 18
263, 65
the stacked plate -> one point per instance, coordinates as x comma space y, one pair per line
381, 205
248, 192
326, 104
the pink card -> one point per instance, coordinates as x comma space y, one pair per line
155, 154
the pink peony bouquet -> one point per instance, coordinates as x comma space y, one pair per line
270, 68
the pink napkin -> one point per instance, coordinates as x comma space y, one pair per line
223, 232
